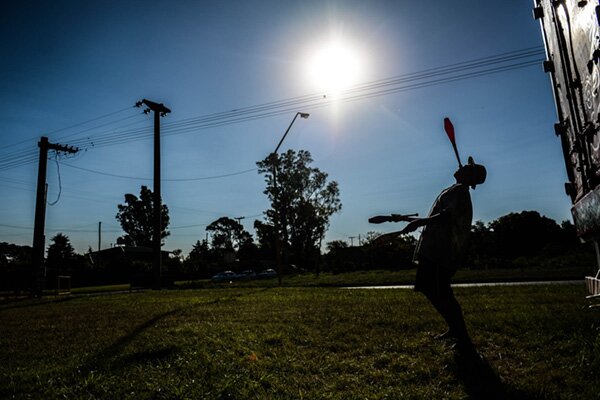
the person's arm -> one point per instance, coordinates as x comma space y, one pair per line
416, 223
387, 237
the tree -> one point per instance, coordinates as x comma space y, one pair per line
370, 239
200, 251
60, 252
228, 234
302, 201
174, 263
14, 255
265, 236
197, 261
481, 245
524, 238
336, 245
136, 217
524, 234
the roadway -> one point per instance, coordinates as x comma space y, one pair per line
463, 285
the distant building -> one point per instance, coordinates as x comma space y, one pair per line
125, 254
131, 264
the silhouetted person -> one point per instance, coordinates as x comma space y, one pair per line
441, 247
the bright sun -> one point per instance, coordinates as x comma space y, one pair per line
334, 67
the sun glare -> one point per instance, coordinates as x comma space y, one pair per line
334, 67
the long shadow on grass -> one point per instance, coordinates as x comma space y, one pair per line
109, 356
481, 381
104, 357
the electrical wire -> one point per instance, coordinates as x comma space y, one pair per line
20, 157
211, 120
313, 104
90, 120
67, 128
200, 225
16, 227
59, 181
88, 142
163, 179
99, 126
446, 74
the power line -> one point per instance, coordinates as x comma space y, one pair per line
66, 128
59, 183
70, 230
89, 141
23, 157
447, 74
200, 225
91, 120
100, 126
164, 179
241, 115
17, 227
318, 101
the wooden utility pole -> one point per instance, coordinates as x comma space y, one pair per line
37, 258
99, 242
159, 111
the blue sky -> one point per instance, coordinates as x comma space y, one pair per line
67, 62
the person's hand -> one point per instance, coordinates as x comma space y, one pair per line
410, 227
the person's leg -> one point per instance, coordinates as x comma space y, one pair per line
433, 281
455, 318
446, 305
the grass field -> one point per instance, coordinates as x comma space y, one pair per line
312, 343
405, 277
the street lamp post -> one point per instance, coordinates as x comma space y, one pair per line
278, 216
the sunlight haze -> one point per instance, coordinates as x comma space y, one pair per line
234, 74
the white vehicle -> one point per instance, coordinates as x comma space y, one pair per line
571, 31
267, 273
224, 276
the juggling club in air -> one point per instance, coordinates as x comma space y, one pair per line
449, 128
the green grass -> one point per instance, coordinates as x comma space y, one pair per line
313, 343
403, 277
99, 289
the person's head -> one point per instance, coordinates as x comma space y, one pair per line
471, 174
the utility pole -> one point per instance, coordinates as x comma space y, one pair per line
37, 257
159, 111
352, 240
99, 241
239, 219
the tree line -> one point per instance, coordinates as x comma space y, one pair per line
515, 240
302, 200
520, 240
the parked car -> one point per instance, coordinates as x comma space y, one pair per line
267, 273
224, 276
247, 274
